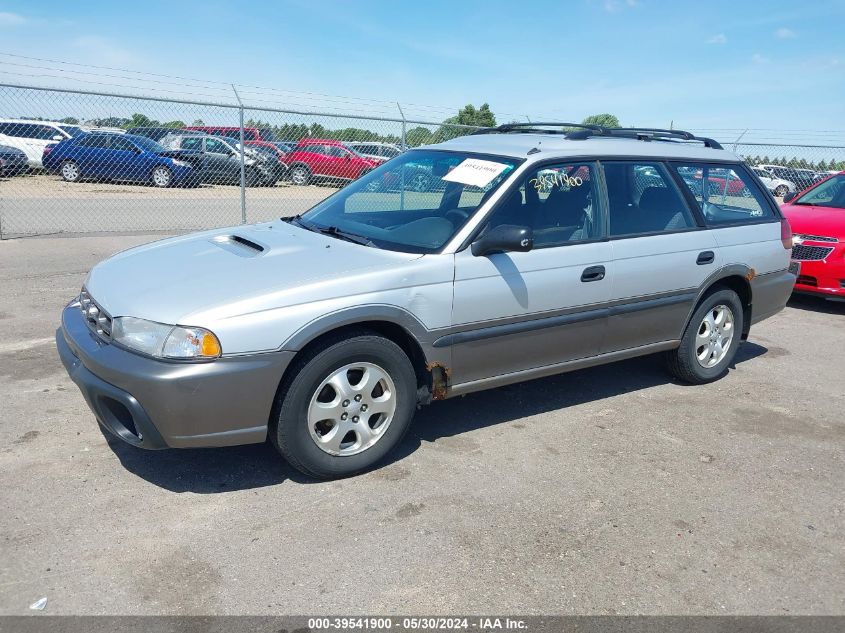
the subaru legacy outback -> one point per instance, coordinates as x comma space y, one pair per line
532, 250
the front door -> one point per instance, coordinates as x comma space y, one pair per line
518, 311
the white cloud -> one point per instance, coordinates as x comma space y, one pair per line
105, 50
612, 6
784, 33
11, 19
757, 58
720, 38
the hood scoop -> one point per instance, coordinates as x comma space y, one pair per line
238, 245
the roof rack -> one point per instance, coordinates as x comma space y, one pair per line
585, 131
537, 128
644, 134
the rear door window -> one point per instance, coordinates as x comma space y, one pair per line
725, 195
643, 199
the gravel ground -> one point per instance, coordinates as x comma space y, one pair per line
41, 204
611, 490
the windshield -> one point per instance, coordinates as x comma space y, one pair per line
414, 203
73, 130
830, 193
148, 144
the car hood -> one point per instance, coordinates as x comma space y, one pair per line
229, 272
811, 220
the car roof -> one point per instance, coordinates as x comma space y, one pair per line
542, 146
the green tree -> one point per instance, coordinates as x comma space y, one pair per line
140, 120
468, 115
605, 120
70, 120
419, 135
175, 124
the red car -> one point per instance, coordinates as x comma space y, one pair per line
817, 217
328, 159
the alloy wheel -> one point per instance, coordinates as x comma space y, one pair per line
351, 409
715, 334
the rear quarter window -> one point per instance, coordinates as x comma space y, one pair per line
725, 194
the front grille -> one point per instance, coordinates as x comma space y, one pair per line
95, 317
805, 253
816, 238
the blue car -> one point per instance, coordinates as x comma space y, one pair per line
126, 157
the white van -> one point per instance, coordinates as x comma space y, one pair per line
31, 137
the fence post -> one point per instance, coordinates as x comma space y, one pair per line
243, 155
402, 114
736, 142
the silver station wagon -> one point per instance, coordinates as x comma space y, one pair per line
506, 255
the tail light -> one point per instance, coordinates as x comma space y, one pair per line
786, 234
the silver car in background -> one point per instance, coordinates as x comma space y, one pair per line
531, 252
221, 159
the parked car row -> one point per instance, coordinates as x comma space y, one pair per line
788, 179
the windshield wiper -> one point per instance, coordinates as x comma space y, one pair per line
344, 235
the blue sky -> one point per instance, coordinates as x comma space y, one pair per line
704, 65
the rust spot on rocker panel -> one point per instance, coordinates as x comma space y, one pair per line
439, 380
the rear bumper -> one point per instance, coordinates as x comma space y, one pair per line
157, 404
769, 294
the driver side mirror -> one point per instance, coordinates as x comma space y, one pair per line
348, 156
790, 196
502, 239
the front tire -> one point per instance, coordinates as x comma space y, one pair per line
710, 340
346, 405
161, 176
70, 171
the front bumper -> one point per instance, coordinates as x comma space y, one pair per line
825, 277
154, 404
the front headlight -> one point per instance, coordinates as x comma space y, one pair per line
165, 341
180, 163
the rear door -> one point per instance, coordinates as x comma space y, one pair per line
124, 160
520, 311
91, 155
662, 253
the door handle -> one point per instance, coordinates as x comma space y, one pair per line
705, 257
593, 273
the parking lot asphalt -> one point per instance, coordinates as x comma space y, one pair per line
612, 490
45, 204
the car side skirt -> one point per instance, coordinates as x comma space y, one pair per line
559, 368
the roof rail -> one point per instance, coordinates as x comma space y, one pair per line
537, 128
586, 130
644, 134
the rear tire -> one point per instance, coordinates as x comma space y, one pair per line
300, 175
344, 406
70, 171
711, 339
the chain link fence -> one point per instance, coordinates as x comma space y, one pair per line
187, 165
